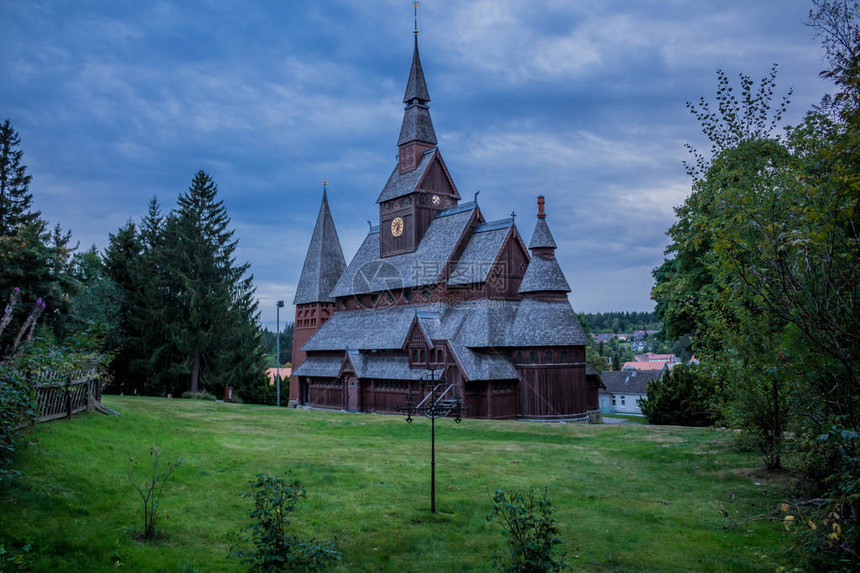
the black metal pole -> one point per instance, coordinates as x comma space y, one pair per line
433, 463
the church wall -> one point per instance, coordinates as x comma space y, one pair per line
325, 393
309, 318
551, 390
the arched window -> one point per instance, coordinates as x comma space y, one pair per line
440, 358
564, 358
533, 357
548, 357
414, 355
519, 357
423, 357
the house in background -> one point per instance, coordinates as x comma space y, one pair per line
625, 390
651, 362
272, 374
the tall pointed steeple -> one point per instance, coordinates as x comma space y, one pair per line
416, 132
543, 277
324, 262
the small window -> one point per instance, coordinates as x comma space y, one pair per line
425, 294
439, 357
613, 400
564, 358
414, 355
407, 295
622, 400
533, 357
548, 357
519, 357
422, 357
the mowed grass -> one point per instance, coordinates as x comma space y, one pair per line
627, 498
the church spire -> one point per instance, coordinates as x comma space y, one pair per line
417, 128
324, 262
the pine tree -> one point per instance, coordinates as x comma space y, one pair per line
15, 197
153, 309
216, 324
122, 265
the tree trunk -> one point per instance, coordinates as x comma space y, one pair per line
195, 371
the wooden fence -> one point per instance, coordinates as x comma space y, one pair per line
64, 395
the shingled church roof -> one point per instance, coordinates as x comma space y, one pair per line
542, 237
400, 184
324, 262
543, 275
368, 273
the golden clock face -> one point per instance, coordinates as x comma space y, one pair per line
397, 226
436, 199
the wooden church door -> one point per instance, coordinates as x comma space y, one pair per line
352, 394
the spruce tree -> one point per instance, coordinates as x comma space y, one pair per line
215, 326
122, 265
15, 196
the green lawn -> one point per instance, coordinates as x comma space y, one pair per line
628, 498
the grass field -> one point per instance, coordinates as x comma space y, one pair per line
628, 498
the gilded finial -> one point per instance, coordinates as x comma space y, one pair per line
415, 16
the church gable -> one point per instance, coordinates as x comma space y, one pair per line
437, 180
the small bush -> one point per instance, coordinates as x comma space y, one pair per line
151, 487
530, 532
18, 409
275, 549
683, 397
199, 396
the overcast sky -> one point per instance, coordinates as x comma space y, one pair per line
580, 101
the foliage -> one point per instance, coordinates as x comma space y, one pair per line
275, 549
619, 322
151, 487
684, 396
828, 530
199, 396
18, 408
15, 197
35, 259
531, 533
268, 343
191, 320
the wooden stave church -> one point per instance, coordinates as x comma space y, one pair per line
437, 293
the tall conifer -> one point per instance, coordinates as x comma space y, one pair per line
15, 197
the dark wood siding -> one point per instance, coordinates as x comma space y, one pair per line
434, 180
553, 390
326, 393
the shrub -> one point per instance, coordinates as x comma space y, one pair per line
274, 548
530, 532
683, 397
151, 487
18, 409
199, 396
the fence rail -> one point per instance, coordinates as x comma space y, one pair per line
64, 395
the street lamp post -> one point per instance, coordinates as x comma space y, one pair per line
280, 305
433, 406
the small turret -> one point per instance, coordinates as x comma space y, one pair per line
543, 277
